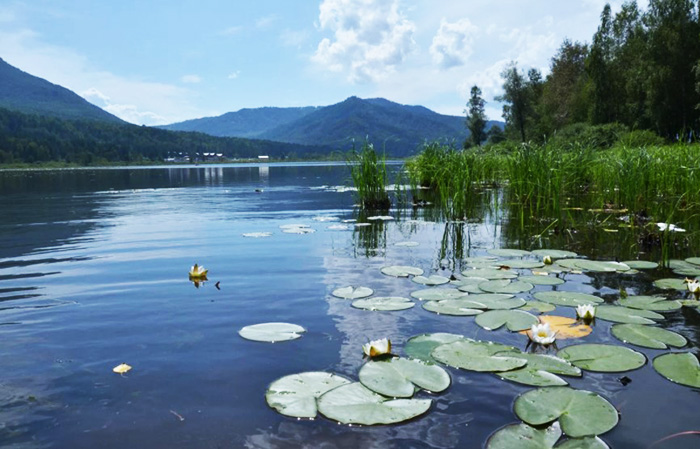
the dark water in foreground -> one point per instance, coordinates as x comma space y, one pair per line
93, 273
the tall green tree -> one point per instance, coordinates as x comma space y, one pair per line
565, 96
516, 99
600, 70
476, 118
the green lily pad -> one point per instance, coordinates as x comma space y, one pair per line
690, 303
657, 303
538, 306
420, 346
271, 332
522, 436
505, 286
356, 404
402, 271
647, 336
602, 358
495, 301
684, 268
554, 253
352, 292
383, 303
570, 299
580, 413
693, 260
541, 280
479, 356
514, 320
470, 285
430, 280
398, 378
454, 307
600, 266
505, 252
680, 367
541, 371
671, 284
520, 263
620, 314
583, 443
295, 395
641, 264
490, 273
437, 294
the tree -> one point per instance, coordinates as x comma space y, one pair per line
565, 100
518, 98
476, 119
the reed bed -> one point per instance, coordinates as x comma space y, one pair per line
369, 176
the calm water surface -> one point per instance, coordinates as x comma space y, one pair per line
93, 273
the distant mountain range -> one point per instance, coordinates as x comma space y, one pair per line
20, 91
398, 128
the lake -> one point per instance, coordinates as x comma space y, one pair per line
94, 273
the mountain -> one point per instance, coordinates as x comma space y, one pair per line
398, 129
20, 91
243, 123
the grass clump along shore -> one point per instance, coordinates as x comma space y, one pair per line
369, 176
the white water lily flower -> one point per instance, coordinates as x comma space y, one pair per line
377, 347
542, 334
198, 272
694, 287
585, 311
547, 260
670, 227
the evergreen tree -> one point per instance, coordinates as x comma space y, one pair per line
476, 119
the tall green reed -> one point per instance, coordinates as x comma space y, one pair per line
369, 176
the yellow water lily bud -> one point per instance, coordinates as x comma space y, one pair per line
121, 369
547, 260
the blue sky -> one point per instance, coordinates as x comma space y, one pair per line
157, 62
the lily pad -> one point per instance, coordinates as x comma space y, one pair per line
657, 303
257, 235
495, 301
505, 286
454, 307
407, 244
671, 284
580, 413
383, 303
431, 280
522, 436
490, 273
420, 346
295, 395
398, 378
514, 320
693, 260
272, 332
641, 264
470, 284
521, 263
479, 356
570, 299
602, 358
620, 314
541, 371
565, 327
356, 404
647, 336
401, 271
554, 253
352, 292
505, 252
437, 294
583, 443
541, 280
680, 367
538, 306
600, 266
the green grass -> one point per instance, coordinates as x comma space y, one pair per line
369, 176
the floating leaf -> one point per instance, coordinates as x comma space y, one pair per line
539, 306
680, 367
399, 377
619, 314
431, 280
383, 303
338, 227
658, 303
600, 266
408, 244
684, 268
554, 253
541, 370
514, 320
671, 284
295, 395
122, 368
580, 413
380, 218
420, 346
437, 294
541, 280
641, 264
352, 292
569, 299
272, 332
490, 273
479, 356
522, 436
520, 263
602, 358
297, 229
497, 301
356, 404
257, 235
505, 286
564, 327
647, 336
470, 284
455, 307
583, 443
693, 260
504, 252
401, 271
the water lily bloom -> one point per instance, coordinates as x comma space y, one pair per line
542, 334
547, 260
585, 311
198, 272
377, 347
121, 369
694, 287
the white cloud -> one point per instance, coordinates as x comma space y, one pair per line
230, 31
292, 38
191, 79
265, 22
234, 75
452, 45
370, 38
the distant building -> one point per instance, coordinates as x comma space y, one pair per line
263, 157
